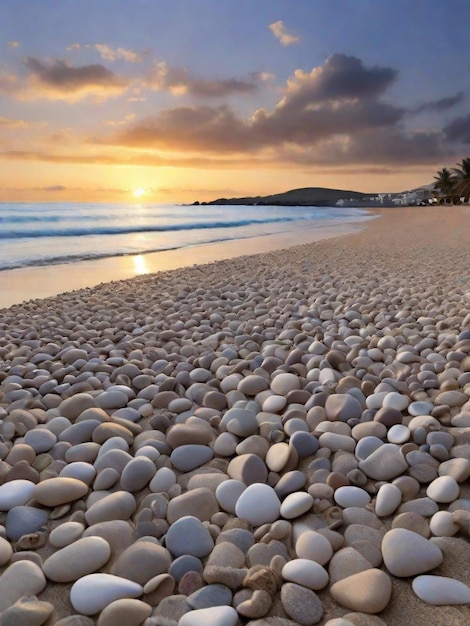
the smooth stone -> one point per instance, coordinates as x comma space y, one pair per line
92, 593
407, 553
258, 504
290, 482
368, 591
137, 474
257, 604
40, 439
282, 383
388, 500
412, 521
336, 442
22, 578
85, 472
119, 505
312, 545
296, 504
212, 616
240, 422
22, 520
27, 611
57, 491
458, 468
84, 556
351, 496
423, 506
451, 398
367, 445
385, 463
15, 493
228, 492
65, 534
342, 407
163, 480
441, 590
210, 595
188, 535
420, 407
301, 604
248, 469
118, 533
304, 442
142, 561
190, 456
444, 489
6, 551
442, 524
200, 502
305, 572
398, 434
277, 456
346, 562
126, 611
395, 400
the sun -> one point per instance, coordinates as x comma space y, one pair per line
139, 192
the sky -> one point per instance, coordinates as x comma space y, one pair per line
181, 100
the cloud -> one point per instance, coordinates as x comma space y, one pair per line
14, 44
458, 130
108, 53
279, 31
178, 81
57, 79
54, 188
440, 105
6, 122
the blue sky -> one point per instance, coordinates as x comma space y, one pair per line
201, 98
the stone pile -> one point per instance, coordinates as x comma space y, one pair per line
266, 441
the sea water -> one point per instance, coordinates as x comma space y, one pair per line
33, 234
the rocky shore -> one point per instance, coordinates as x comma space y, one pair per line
270, 440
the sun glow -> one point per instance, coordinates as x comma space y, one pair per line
140, 265
139, 192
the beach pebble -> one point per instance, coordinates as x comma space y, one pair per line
187, 457
441, 590
228, 492
27, 611
15, 493
188, 535
142, 561
130, 612
282, 383
200, 502
119, 505
385, 463
368, 591
87, 555
57, 491
314, 546
351, 496
92, 593
65, 534
444, 489
296, 504
301, 604
346, 562
6, 551
248, 469
212, 616
305, 572
388, 500
163, 480
396, 401
22, 520
406, 553
258, 504
137, 474
22, 578
442, 524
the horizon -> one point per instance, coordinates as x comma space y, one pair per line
161, 102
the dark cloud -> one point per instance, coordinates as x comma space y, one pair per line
440, 105
459, 129
58, 79
179, 82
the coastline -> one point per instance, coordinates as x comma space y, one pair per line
31, 283
381, 310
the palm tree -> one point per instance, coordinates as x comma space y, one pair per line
462, 178
445, 182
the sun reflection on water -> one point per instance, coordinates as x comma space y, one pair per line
140, 264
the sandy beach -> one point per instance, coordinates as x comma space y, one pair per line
270, 439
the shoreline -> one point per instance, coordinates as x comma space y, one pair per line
302, 380
30, 283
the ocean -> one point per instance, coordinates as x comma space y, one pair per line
41, 234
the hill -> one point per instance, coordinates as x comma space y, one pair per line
308, 196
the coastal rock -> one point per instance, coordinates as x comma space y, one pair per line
57, 491
258, 504
22, 520
314, 546
385, 463
87, 555
27, 611
368, 591
188, 535
296, 504
407, 553
214, 615
119, 505
126, 611
15, 493
22, 578
444, 489
142, 561
305, 572
92, 593
301, 604
441, 590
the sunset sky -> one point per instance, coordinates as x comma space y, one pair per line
183, 100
